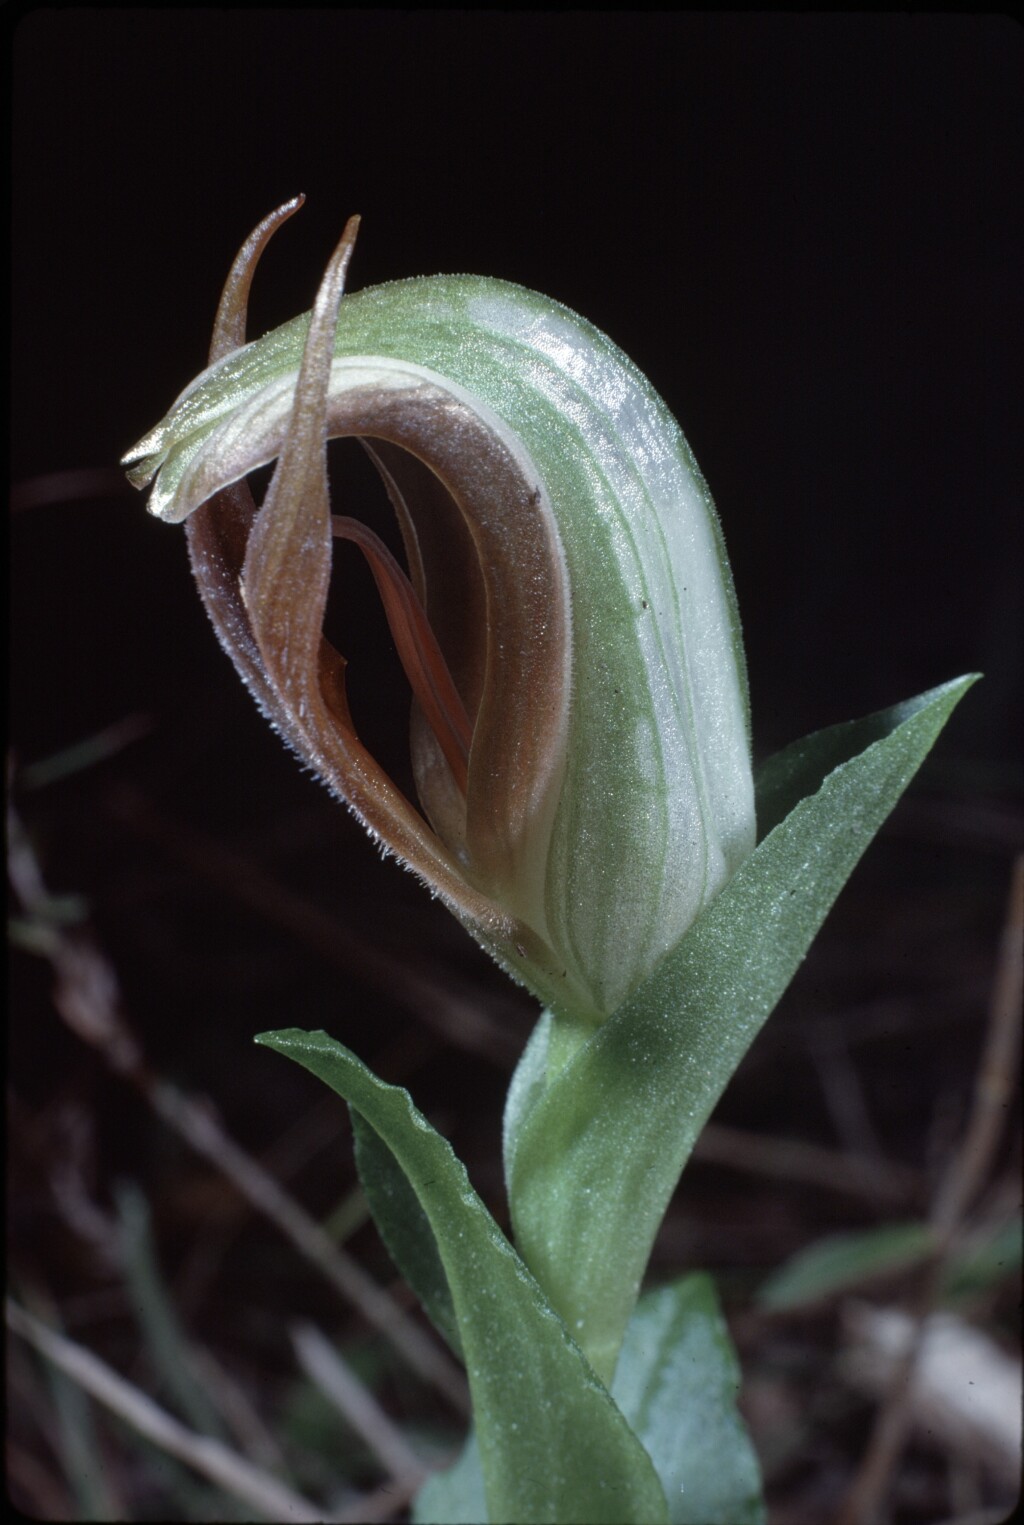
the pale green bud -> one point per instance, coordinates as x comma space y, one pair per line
580, 731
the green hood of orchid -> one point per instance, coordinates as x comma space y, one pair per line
580, 731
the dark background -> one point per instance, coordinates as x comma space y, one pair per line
806, 230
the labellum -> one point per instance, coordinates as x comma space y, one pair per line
567, 624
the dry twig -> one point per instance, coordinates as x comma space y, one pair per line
218, 1463
831, 1169
328, 1371
967, 1171
966, 1391
87, 997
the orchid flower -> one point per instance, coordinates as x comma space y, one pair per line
581, 755
567, 623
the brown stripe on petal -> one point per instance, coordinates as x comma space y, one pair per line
218, 531
444, 568
288, 558
520, 645
285, 577
418, 650
444, 565
232, 311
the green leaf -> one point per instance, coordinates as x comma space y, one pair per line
983, 1264
676, 1383
797, 771
845, 1260
599, 1154
529, 1082
404, 1228
454, 1497
553, 1446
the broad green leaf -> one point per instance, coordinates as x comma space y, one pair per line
845, 1260
454, 1497
404, 1228
676, 1383
600, 1152
553, 1446
788, 777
